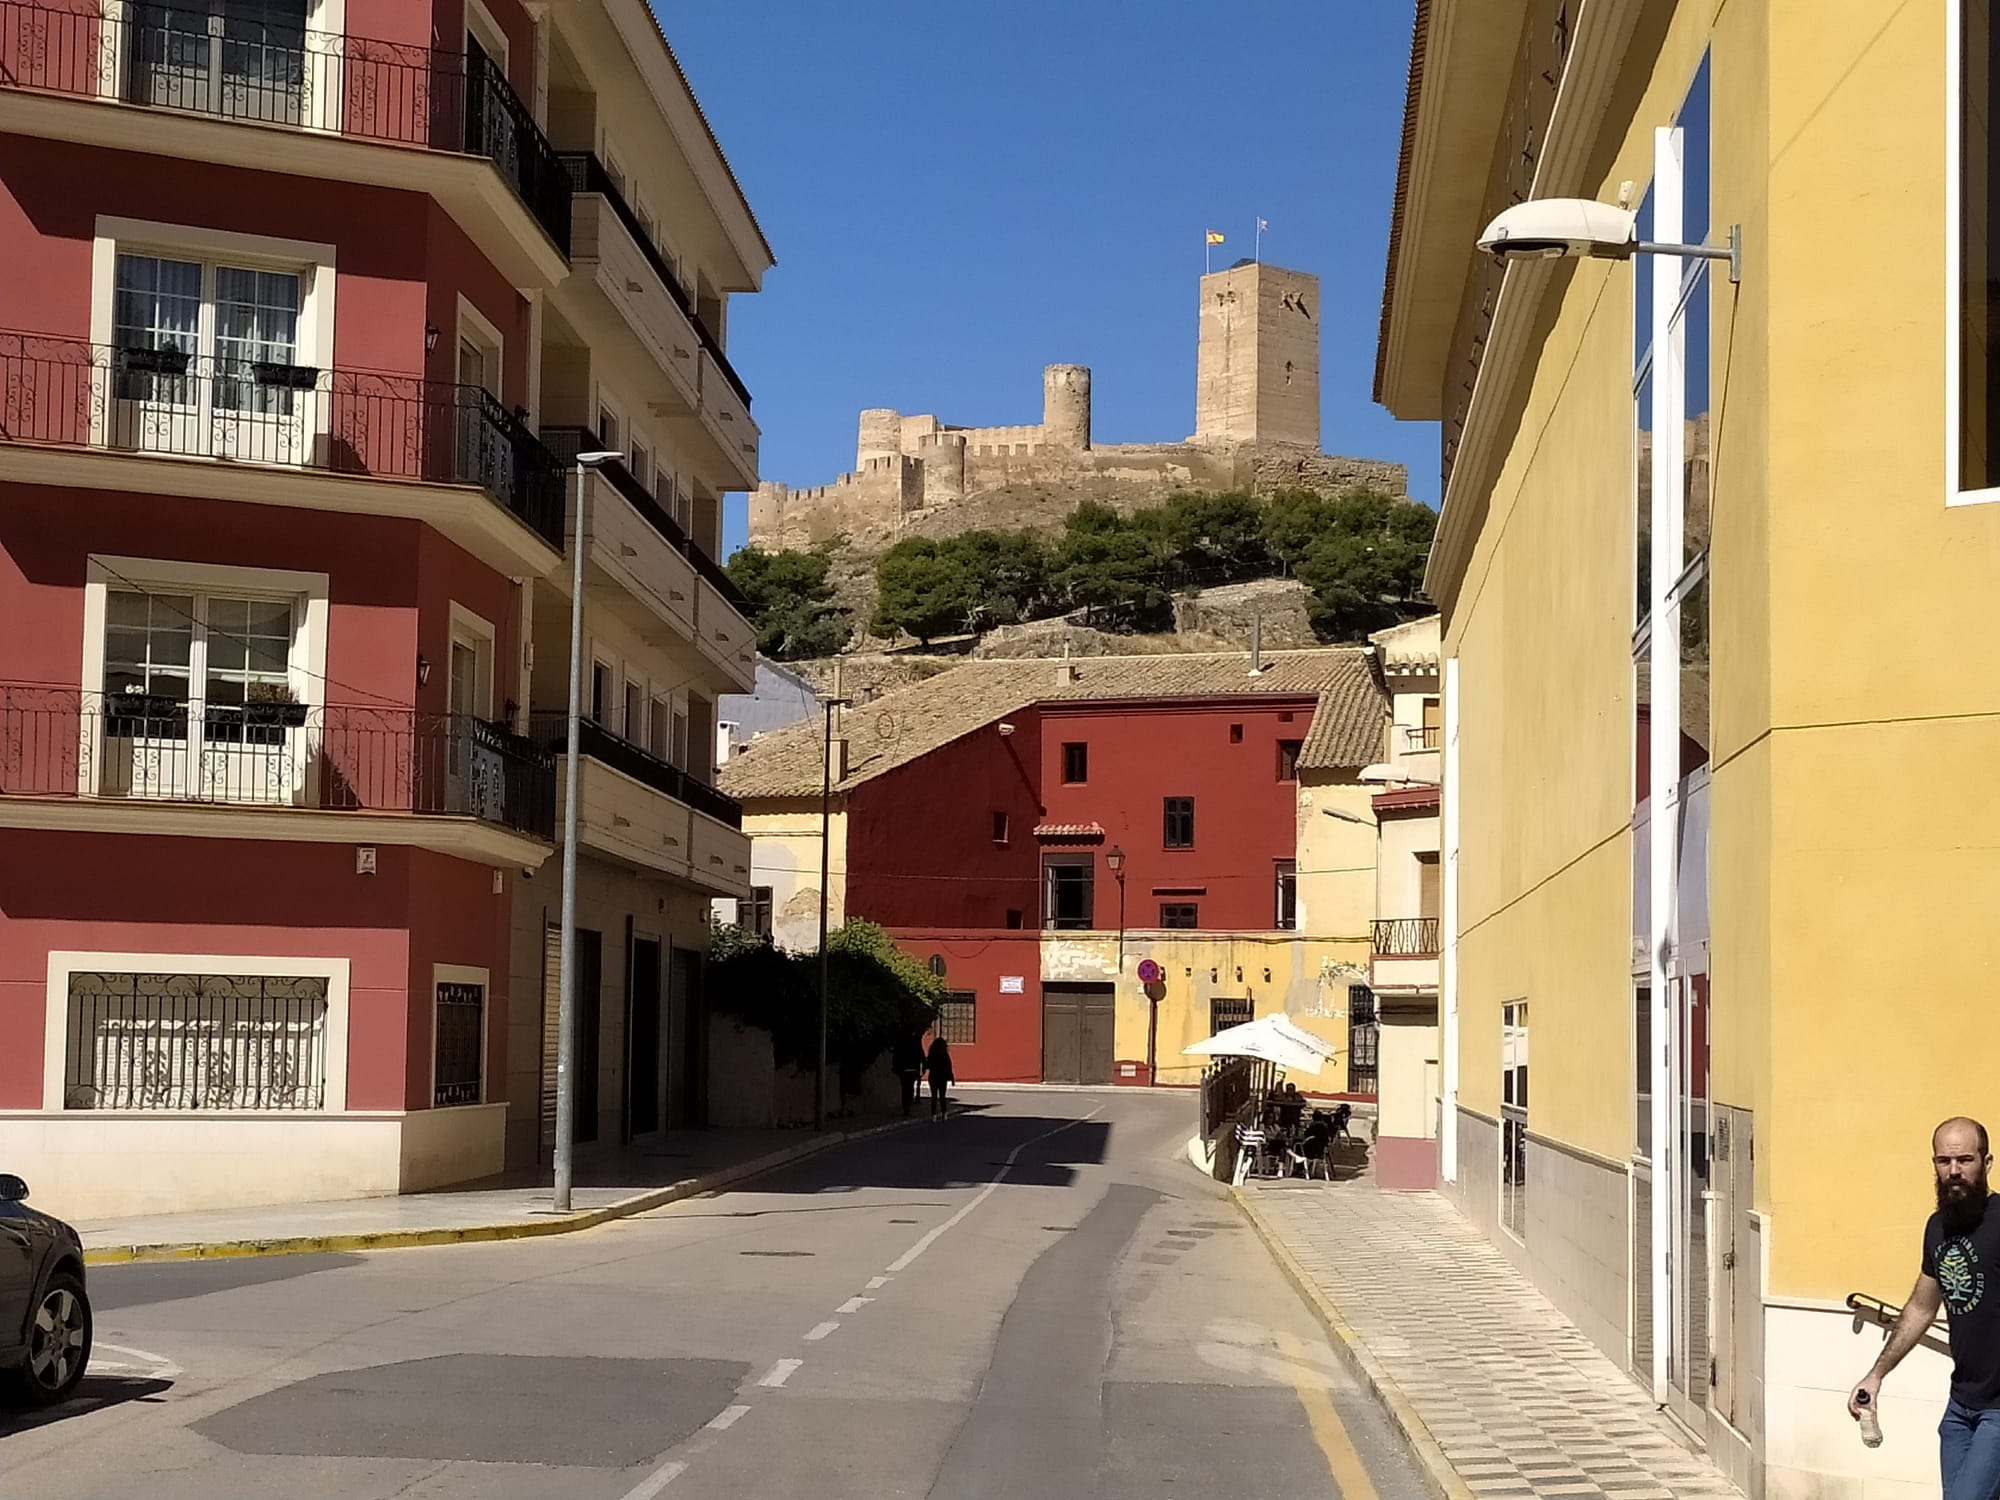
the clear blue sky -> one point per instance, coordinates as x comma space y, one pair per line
962, 191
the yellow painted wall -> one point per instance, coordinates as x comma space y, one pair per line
1336, 856
1308, 980
784, 854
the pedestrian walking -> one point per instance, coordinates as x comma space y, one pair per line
1961, 1270
938, 1065
907, 1063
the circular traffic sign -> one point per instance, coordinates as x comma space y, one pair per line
1149, 972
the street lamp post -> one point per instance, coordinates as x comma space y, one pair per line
825, 867
566, 985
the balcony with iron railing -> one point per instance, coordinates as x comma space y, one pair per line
588, 175
163, 402
565, 442
248, 68
65, 745
1406, 937
638, 808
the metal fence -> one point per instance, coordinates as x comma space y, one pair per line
1226, 1089
230, 63
1363, 1040
195, 1042
72, 394
60, 742
1406, 937
549, 729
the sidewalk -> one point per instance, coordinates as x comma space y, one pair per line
609, 1185
1498, 1394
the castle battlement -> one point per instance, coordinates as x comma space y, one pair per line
1256, 428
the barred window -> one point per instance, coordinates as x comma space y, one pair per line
754, 915
196, 1041
1225, 1011
1179, 914
958, 1018
1179, 820
461, 1038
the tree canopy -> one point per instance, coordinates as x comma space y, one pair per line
791, 603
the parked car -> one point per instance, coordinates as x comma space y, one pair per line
44, 1309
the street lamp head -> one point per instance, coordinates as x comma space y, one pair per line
596, 456
1115, 858
1556, 228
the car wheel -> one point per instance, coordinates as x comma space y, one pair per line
58, 1341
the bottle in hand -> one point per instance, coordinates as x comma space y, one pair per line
1871, 1425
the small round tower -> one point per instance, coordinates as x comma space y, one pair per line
881, 435
1066, 406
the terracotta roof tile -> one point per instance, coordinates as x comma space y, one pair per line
1347, 730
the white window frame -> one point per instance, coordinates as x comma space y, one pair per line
55, 1037
103, 573
463, 974
326, 26
634, 683
468, 628
608, 404
474, 327
614, 697
492, 38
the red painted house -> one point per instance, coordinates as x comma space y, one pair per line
1034, 829
304, 313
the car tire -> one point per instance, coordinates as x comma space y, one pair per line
59, 1337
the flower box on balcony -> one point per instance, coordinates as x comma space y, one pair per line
154, 361
284, 377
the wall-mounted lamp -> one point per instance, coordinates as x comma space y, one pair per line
423, 669
1114, 858
430, 338
1239, 973
1006, 729
1267, 976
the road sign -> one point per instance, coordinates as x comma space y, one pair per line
1149, 972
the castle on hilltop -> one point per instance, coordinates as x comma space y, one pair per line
1256, 428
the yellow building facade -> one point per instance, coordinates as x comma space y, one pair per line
1746, 954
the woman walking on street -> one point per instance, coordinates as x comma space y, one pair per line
938, 1065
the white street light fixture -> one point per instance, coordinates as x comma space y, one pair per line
566, 986
1560, 228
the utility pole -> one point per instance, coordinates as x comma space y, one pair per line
566, 984
832, 705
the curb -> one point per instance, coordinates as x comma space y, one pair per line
1444, 1480
473, 1234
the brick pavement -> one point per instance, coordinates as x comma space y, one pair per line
1501, 1396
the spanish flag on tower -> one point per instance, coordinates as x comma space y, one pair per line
1215, 236
1208, 245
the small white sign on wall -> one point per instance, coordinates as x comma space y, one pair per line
1012, 984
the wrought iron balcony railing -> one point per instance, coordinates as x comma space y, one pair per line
169, 401
587, 175
60, 742
549, 728
567, 442
1406, 937
1422, 736
244, 65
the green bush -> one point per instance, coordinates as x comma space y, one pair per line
791, 603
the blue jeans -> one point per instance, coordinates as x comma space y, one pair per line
1969, 1452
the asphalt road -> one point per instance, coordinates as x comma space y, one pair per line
1038, 1298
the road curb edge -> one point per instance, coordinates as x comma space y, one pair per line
1445, 1481
471, 1234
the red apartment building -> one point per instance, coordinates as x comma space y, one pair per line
304, 306
1036, 829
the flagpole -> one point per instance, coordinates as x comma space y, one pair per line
1207, 253
1257, 244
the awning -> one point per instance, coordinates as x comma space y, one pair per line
1069, 833
1271, 1039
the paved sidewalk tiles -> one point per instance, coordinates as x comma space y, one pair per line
1499, 1394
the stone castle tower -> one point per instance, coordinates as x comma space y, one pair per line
1257, 363
1256, 427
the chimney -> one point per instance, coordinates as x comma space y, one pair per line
1256, 645
836, 751
1068, 674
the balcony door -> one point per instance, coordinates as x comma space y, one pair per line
477, 773
241, 59
198, 699
204, 361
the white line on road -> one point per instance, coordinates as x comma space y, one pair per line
908, 1258
656, 1481
820, 1331
728, 1417
853, 1304
779, 1373
876, 1283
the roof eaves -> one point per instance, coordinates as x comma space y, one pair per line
1419, 36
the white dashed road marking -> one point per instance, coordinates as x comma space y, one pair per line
728, 1417
908, 1258
821, 1330
779, 1373
853, 1304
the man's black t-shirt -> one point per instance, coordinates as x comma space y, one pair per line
1967, 1266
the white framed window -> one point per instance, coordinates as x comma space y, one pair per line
222, 1033
610, 423
482, 350
633, 724
603, 690
482, 29
469, 671
278, 63
660, 732
640, 463
200, 682
459, 1034
1514, 1118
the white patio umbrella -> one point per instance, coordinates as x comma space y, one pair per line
1270, 1039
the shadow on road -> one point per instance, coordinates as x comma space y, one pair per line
94, 1394
967, 1150
113, 1287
